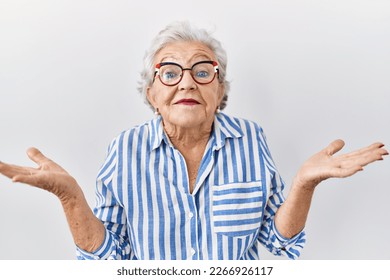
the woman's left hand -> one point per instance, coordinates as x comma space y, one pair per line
326, 164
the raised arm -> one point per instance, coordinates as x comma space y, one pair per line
291, 217
88, 231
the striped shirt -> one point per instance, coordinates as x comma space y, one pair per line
143, 197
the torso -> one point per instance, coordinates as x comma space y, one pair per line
193, 157
192, 170
192, 151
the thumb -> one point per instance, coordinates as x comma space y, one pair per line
334, 147
35, 155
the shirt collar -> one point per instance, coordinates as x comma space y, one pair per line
223, 127
157, 133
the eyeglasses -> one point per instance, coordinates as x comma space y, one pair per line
170, 73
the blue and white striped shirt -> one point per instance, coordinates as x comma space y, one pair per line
144, 201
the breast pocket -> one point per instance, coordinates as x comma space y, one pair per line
238, 208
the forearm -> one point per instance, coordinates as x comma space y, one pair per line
291, 217
88, 231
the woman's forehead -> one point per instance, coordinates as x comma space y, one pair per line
185, 52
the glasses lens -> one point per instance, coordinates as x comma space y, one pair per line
203, 72
170, 74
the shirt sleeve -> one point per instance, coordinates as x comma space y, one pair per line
269, 235
110, 211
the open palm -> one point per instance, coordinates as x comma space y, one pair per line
48, 175
325, 164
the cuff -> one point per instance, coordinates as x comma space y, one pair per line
290, 247
103, 252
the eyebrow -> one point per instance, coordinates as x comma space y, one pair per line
168, 57
198, 55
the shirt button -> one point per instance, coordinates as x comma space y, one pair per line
192, 251
191, 215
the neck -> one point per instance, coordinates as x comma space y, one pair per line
187, 137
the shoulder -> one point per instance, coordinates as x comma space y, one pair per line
245, 125
247, 130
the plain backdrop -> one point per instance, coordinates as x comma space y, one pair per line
308, 72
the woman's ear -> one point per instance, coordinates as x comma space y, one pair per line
221, 92
150, 96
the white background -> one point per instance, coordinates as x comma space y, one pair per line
307, 71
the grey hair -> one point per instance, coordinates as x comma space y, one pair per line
183, 32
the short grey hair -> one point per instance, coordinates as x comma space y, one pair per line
183, 31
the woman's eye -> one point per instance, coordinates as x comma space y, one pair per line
202, 74
169, 75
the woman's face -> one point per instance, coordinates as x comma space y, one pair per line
187, 104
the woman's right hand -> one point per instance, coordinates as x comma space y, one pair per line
48, 176
87, 230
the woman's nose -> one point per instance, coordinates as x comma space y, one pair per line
187, 82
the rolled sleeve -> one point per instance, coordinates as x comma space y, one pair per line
279, 245
289, 247
103, 252
111, 249
275, 242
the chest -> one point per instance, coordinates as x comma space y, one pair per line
192, 164
193, 159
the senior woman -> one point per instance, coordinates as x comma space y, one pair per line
192, 183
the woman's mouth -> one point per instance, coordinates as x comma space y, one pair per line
187, 101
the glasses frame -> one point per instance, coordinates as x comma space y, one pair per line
159, 65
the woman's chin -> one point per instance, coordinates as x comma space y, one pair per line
189, 119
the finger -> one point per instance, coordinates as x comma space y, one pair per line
35, 155
26, 179
384, 152
364, 157
359, 161
368, 149
10, 170
344, 172
334, 147
37, 180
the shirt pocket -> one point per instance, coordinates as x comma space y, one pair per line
238, 208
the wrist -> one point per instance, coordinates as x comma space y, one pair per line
71, 195
301, 183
